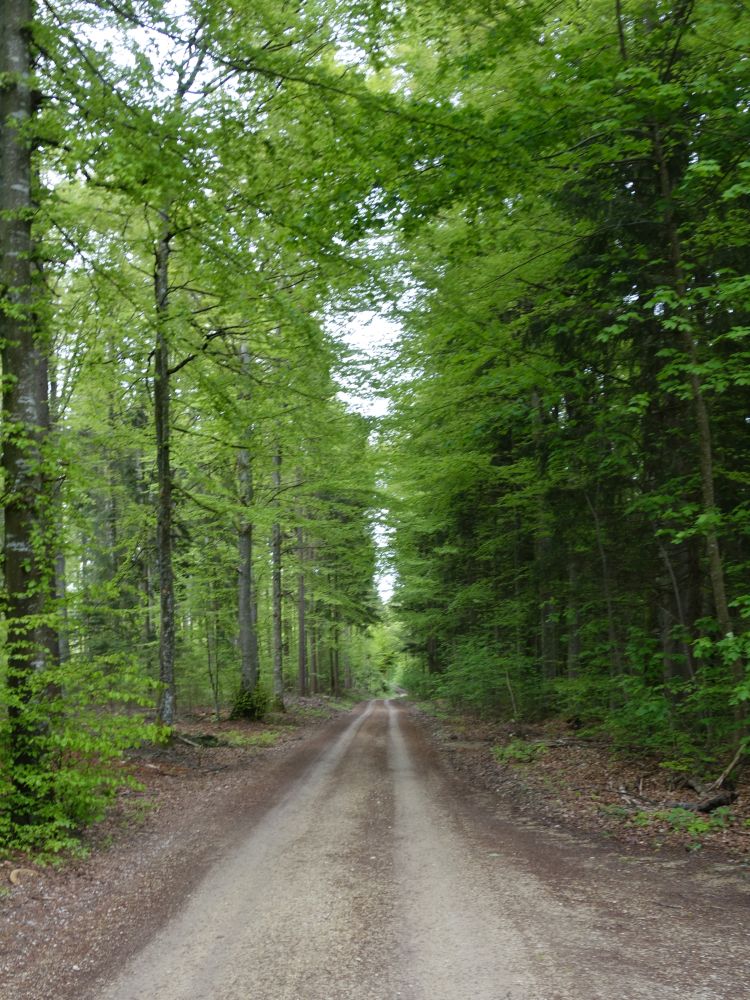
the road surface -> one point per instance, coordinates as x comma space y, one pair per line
373, 877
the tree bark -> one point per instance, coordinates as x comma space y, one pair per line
573, 617
621, 31
700, 410
212, 648
700, 415
167, 706
302, 683
348, 675
278, 675
246, 596
314, 683
167, 698
333, 653
29, 578
614, 643
62, 653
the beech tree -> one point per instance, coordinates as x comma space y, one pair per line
25, 344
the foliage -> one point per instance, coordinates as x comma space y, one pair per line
83, 718
418, 682
226, 157
687, 821
567, 437
553, 200
519, 751
251, 704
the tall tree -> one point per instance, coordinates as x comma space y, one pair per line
28, 573
246, 595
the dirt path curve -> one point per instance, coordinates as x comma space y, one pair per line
375, 877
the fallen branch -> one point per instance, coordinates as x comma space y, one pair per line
201, 740
190, 743
725, 798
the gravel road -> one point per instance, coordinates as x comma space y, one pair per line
373, 876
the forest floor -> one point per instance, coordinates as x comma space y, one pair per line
550, 773
327, 803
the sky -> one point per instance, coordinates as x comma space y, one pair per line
369, 332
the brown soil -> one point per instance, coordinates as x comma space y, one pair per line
586, 786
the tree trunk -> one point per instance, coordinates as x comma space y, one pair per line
702, 422
60, 585
278, 675
546, 632
616, 664
313, 630
573, 621
334, 654
29, 580
145, 573
348, 676
212, 648
167, 697
301, 618
247, 600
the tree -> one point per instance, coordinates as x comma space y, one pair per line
557, 449
27, 570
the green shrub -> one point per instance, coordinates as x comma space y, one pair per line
81, 716
252, 705
686, 820
520, 751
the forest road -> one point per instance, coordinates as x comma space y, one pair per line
375, 876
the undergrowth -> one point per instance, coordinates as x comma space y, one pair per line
266, 738
520, 751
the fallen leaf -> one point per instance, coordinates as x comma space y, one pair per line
19, 874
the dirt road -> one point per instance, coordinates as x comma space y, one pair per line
375, 877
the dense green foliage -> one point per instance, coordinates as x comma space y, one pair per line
570, 441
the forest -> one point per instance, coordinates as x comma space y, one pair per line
547, 199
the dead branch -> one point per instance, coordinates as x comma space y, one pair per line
202, 740
735, 761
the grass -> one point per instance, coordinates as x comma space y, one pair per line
265, 738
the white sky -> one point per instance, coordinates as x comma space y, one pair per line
369, 333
